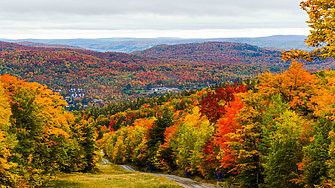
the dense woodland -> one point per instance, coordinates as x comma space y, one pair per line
107, 75
279, 133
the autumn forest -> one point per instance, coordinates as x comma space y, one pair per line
258, 117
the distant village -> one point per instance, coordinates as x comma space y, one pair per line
76, 93
163, 89
72, 94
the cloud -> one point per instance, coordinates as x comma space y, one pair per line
150, 14
159, 7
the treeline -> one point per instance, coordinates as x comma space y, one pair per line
38, 138
279, 134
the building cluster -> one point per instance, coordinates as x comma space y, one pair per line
160, 89
74, 90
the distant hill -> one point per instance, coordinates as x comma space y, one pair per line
285, 42
119, 76
111, 56
216, 52
7, 46
35, 44
128, 45
228, 52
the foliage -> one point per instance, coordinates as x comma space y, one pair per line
281, 166
214, 52
272, 136
316, 154
213, 105
233, 53
296, 87
37, 135
225, 127
7, 143
321, 20
113, 76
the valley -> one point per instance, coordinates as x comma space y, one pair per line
201, 110
113, 77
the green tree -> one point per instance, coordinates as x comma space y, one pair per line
331, 163
285, 152
316, 154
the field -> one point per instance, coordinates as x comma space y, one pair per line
110, 175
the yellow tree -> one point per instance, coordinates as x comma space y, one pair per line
82, 150
322, 34
40, 128
192, 134
7, 143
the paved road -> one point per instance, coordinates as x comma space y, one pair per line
105, 161
183, 182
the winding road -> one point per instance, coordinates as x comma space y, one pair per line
183, 182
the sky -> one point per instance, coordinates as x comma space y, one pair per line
64, 19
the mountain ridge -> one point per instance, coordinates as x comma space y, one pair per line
128, 45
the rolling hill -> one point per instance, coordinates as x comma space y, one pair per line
113, 76
215, 52
228, 52
128, 45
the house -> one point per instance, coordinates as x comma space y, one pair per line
97, 100
160, 89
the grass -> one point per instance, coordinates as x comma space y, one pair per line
111, 175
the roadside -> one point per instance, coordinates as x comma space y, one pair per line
111, 175
183, 182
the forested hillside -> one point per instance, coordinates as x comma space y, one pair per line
215, 52
114, 76
227, 52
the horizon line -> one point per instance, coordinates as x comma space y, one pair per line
54, 34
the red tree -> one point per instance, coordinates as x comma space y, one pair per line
213, 105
